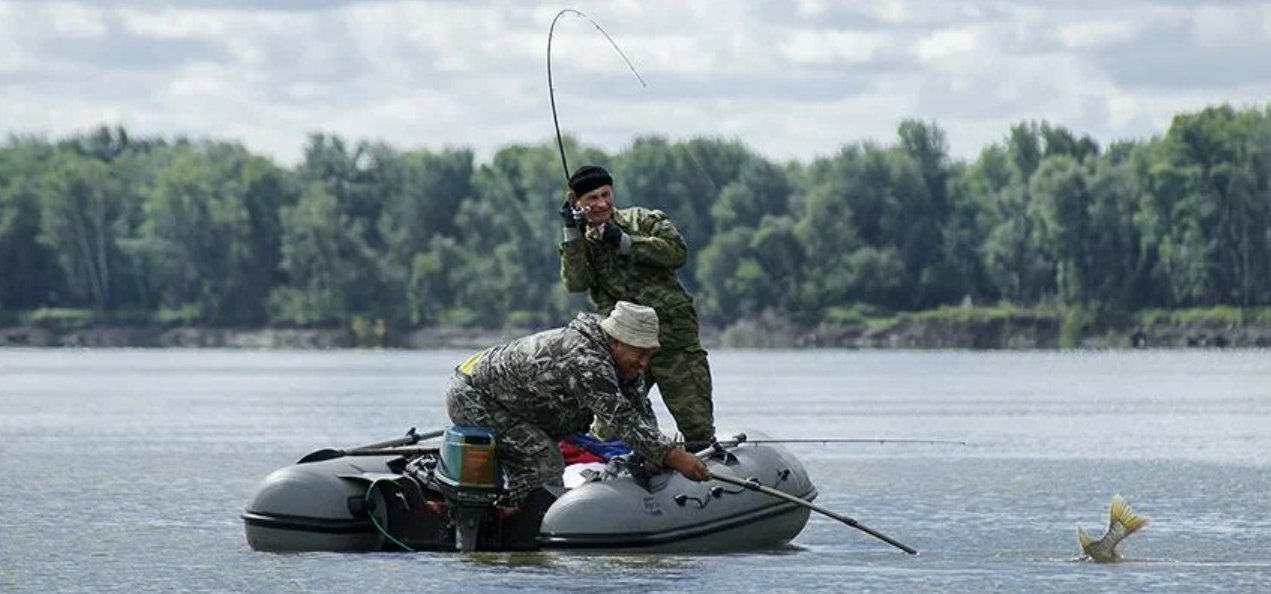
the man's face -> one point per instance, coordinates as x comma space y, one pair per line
632, 361
597, 205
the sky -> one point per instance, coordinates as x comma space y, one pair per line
792, 79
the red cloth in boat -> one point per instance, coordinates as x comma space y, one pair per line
576, 454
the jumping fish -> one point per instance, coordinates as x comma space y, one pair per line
1122, 522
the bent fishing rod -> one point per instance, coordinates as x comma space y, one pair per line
551, 88
551, 93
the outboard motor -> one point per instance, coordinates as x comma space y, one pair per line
469, 477
448, 500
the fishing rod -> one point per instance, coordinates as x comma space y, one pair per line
551, 89
754, 485
742, 439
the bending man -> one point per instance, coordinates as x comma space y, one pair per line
540, 388
632, 255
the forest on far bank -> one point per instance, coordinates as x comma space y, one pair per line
113, 228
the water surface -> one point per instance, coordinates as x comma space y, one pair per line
125, 470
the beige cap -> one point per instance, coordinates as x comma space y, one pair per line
636, 325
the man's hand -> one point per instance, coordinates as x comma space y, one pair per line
687, 464
612, 235
573, 217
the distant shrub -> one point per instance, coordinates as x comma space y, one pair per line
461, 317
518, 319
59, 318
1073, 326
368, 332
186, 315
858, 313
1222, 314
979, 313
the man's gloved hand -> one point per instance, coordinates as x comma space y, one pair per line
612, 235
573, 217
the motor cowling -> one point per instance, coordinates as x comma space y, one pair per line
468, 468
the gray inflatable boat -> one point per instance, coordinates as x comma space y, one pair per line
387, 497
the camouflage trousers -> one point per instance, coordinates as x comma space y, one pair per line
528, 455
683, 377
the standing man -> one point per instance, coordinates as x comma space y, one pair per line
535, 390
632, 254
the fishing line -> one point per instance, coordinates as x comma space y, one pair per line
741, 440
551, 92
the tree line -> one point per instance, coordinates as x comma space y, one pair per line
203, 232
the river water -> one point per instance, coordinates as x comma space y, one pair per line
126, 470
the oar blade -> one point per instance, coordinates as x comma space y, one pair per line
320, 455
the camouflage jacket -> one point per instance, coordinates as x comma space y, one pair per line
645, 276
558, 379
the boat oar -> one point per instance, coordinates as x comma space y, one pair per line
755, 486
401, 451
410, 438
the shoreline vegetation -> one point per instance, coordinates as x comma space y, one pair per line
1046, 239
976, 328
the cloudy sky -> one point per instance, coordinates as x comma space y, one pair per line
790, 79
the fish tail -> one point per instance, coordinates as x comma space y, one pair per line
1084, 538
1123, 513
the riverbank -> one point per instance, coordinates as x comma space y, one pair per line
1005, 330
951, 328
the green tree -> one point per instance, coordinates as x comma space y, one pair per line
30, 278
761, 189
212, 232
82, 218
1196, 192
333, 275
1118, 278
1061, 204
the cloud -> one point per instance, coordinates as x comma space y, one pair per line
224, 5
793, 80
1206, 48
123, 50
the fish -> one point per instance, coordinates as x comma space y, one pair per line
1122, 522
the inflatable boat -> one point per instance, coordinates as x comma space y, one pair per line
397, 496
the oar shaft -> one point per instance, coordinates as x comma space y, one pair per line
409, 439
754, 486
405, 451
376, 449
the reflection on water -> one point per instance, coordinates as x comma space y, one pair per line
518, 559
131, 468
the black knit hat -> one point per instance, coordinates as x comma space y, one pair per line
588, 178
